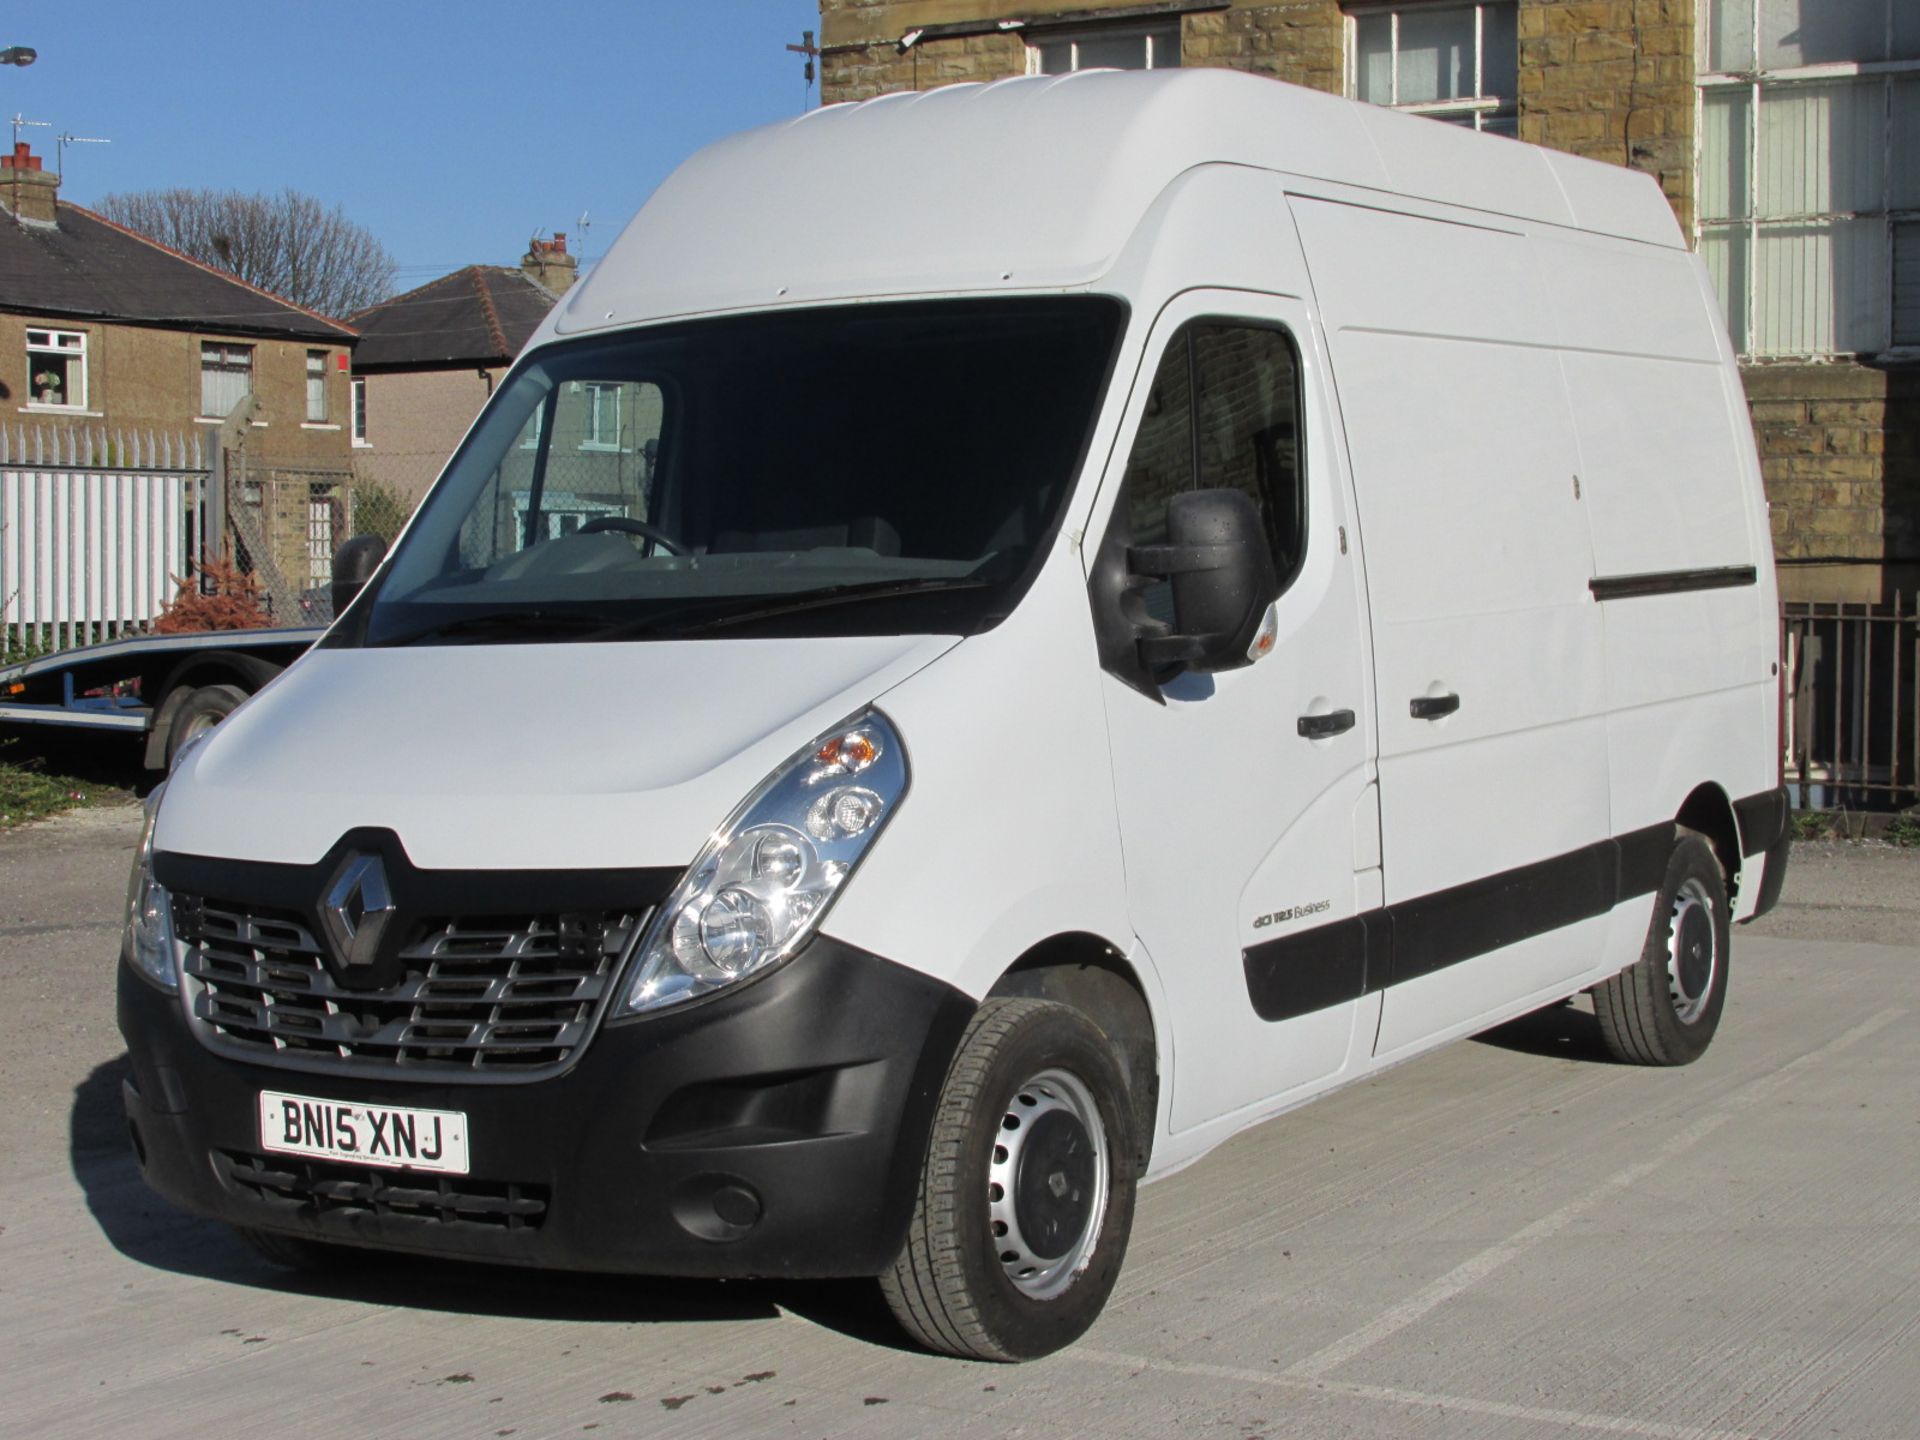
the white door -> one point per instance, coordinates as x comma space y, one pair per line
1493, 758
1238, 792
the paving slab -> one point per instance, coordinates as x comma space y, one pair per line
1509, 1238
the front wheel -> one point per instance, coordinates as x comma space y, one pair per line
1664, 1008
291, 1252
1026, 1194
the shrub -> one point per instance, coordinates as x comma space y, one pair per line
230, 600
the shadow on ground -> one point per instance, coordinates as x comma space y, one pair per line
146, 1229
1562, 1032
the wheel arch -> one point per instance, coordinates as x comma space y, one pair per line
1709, 810
1091, 975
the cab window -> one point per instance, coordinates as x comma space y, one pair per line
1223, 413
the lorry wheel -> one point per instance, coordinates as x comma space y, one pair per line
1664, 1008
203, 709
1026, 1193
291, 1252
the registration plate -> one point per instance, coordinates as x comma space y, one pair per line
391, 1136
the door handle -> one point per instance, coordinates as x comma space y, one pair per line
1322, 727
1432, 707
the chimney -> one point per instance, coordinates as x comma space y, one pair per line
548, 263
26, 189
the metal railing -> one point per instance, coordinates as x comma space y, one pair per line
1852, 731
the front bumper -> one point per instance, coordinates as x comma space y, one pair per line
777, 1130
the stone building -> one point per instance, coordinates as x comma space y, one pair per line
104, 328
427, 360
1786, 134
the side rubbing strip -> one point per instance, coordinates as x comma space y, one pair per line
1671, 582
1333, 964
1327, 965
1444, 928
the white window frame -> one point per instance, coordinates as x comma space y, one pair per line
227, 348
1757, 82
597, 394
358, 387
1474, 110
76, 395
317, 394
1150, 31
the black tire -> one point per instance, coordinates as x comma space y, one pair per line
1035, 1070
291, 1252
204, 708
1664, 1008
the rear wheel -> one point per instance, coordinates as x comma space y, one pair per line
1664, 1008
203, 709
1026, 1195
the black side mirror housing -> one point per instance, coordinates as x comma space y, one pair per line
353, 565
1221, 567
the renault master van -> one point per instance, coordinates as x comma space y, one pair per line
921, 705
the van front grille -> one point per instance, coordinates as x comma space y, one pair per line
509, 997
320, 1188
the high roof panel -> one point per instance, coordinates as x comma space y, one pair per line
1039, 181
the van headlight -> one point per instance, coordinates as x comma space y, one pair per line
148, 943
758, 889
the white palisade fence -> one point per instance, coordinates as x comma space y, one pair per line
95, 527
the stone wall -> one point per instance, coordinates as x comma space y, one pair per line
1296, 40
1613, 80
1840, 450
1300, 41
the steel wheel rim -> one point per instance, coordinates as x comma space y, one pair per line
1693, 951
1041, 1117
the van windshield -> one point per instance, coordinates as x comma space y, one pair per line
864, 469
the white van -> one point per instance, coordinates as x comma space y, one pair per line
924, 702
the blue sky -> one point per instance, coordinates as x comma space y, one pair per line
453, 131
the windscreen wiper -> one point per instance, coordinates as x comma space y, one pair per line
793, 604
511, 625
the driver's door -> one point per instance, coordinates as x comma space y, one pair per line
1246, 799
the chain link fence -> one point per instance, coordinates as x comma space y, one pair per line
287, 520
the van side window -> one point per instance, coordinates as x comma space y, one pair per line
1224, 413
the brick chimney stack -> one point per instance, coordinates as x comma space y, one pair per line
548, 263
25, 188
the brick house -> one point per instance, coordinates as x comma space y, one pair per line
427, 360
104, 328
1786, 134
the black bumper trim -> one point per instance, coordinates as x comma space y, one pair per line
775, 1131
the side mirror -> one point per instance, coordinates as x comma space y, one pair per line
353, 565
1221, 567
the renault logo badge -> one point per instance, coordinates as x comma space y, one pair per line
357, 909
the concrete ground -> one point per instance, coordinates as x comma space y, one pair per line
1510, 1238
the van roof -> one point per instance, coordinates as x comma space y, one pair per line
1039, 182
